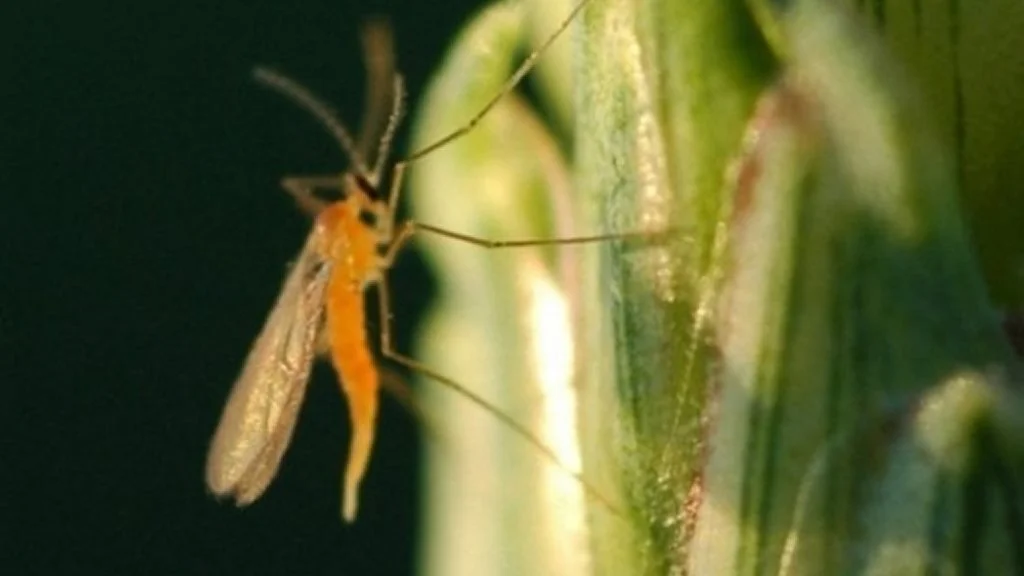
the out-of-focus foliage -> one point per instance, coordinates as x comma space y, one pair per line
801, 368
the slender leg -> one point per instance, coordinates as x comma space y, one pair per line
397, 176
509, 85
387, 350
302, 188
395, 248
495, 244
398, 388
410, 227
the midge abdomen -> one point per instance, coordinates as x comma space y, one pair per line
353, 254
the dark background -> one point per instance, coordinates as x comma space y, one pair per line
144, 239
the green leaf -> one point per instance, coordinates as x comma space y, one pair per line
944, 501
758, 357
502, 325
967, 59
664, 91
798, 371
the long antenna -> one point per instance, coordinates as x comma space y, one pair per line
379, 59
314, 105
394, 119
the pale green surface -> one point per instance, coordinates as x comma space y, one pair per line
966, 57
665, 90
494, 504
806, 376
922, 487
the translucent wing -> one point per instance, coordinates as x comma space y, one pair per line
260, 414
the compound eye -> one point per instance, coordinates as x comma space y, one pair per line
368, 217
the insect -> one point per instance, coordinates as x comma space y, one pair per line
353, 242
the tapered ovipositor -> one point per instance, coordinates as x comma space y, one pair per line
363, 414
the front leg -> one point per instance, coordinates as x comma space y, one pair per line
303, 190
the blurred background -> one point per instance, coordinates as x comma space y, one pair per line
144, 239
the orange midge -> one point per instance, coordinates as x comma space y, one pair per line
353, 242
